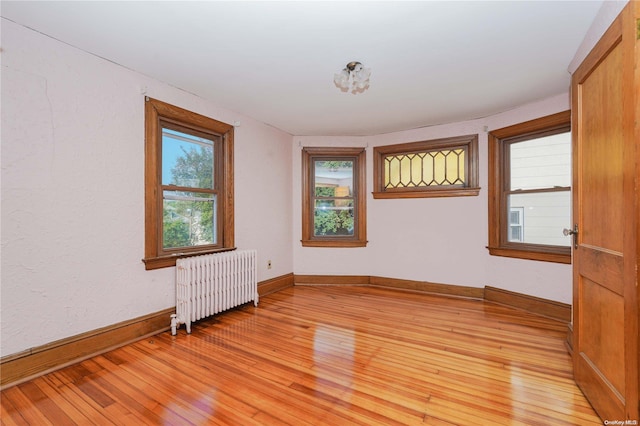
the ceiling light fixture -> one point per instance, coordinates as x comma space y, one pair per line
353, 78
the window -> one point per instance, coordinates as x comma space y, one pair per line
437, 168
188, 184
333, 197
530, 189
516, 228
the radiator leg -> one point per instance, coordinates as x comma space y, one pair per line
174, 325
188, 324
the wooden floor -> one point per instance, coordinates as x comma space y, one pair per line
325, 355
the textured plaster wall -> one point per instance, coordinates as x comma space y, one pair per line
73, 191
439, 240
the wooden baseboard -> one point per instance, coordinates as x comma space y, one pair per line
25, 365
428, 287
569, 342
275, 284
398, 284
548, 308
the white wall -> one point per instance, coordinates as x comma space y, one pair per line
73, 191
439, 240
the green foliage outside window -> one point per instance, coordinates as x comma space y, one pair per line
331, 217
190, 223
325, 191
335, 164
333, 222
175, 232
328, 220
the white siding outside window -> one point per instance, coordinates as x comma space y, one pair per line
541, 164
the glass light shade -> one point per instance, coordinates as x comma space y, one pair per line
354, 78
364, 73
342, 79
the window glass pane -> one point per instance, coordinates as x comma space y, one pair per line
187, 160
188, 219
455, 167
541, 163
428, 170
422, 169
405, 171
333, 178
333, 217
541, 217
438, 166
391, 172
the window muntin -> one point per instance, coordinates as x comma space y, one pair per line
189, 184
530, 189
437, 168
333, 211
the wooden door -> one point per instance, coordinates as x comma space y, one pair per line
605, 210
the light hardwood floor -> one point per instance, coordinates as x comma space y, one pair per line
325, 355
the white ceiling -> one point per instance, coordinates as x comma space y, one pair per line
432, 62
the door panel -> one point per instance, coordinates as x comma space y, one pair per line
602, 332
601, 154
605, 314
600, 266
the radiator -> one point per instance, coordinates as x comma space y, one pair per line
212, 283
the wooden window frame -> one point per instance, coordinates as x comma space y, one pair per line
358, 156
471, 188
157, 112
498, 179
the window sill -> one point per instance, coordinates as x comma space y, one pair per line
528, 254
170, 259
458, 192
333, 243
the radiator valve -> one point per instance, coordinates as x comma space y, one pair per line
174, 324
